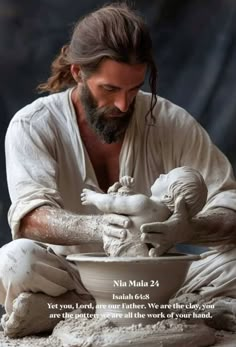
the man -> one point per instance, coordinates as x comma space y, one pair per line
100, 128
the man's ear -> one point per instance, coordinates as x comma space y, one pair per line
75, 71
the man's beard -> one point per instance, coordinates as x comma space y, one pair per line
109, 123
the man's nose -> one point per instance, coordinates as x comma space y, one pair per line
122, 102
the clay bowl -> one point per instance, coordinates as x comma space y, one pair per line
131, 290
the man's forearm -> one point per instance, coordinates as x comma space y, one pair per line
214, 227
57, 226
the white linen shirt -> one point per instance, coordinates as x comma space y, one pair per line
47, 163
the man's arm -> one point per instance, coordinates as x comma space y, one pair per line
213, 227
57, 226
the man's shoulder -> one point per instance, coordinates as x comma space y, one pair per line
162, 104
46, 108
164, 110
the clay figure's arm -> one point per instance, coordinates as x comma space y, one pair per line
122, 204
127, 181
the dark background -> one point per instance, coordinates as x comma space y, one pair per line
195, 51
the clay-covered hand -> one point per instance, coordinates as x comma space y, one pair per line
164, 235
115, 225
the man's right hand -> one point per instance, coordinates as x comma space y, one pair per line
116, 225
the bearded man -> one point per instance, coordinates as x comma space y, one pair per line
95, 127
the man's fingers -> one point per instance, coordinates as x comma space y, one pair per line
115, 226
115, 232
153, 252
151, 227
153, 238
159, 250
117, 219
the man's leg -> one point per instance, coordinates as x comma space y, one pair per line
31, 278
214, 275
214, 278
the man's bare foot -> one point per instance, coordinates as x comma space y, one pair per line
31, 313
87, 196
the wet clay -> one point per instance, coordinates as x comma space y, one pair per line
30, 313
100, 332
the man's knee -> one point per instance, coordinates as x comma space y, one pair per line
17, 258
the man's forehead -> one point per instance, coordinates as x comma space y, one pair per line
115, 73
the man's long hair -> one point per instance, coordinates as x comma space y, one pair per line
115, 32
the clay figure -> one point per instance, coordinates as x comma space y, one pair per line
122, 199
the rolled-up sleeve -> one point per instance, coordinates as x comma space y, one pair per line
32, 168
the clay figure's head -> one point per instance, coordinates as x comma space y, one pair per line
182, 181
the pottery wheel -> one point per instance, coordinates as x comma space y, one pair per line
100, 332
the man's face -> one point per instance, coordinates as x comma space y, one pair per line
108, 122
108, 98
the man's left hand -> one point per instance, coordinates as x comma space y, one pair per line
164, 235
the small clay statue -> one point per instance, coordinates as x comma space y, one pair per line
121, 199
